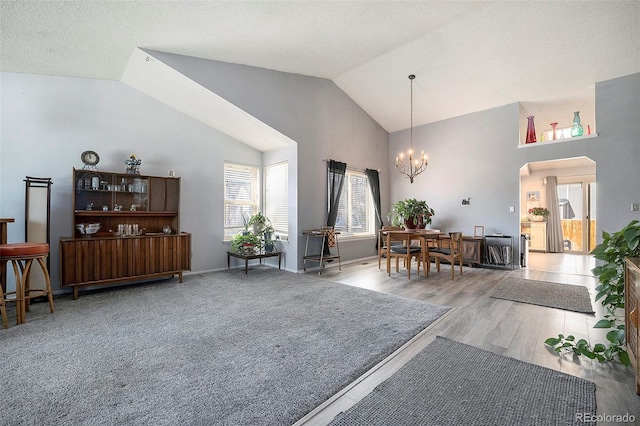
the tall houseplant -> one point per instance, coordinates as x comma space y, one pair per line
612, 251
410, 212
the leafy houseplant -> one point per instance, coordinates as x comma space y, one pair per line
612, 251
267, 233
410, 212
246, 243
258, 221
539, 211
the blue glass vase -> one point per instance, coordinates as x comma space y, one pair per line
576, 129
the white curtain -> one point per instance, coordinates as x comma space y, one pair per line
555, 243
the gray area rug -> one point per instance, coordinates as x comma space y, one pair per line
219, 349
554, 295
450, 383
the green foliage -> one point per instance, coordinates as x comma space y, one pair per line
260, 223
612, 251
410, 209
539, 211
243, 243
252, 241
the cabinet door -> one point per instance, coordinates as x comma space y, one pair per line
538, 237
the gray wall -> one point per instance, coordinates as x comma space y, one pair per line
476, 156
314, 112
48, 121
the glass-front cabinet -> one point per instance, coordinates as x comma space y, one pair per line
125, 227
114, 200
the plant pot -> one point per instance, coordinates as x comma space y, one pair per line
536, 218
410, 224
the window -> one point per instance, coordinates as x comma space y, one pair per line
241, 196
355, 211
276, 197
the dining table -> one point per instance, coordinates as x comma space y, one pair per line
3, 240
414, 234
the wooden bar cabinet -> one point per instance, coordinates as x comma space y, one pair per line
139, 236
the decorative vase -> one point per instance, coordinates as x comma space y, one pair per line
576, 129
553, 126
133, 165
531, 130
537, 218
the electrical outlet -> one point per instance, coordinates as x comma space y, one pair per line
512, 209
634, 207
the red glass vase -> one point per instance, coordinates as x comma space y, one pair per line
531, 130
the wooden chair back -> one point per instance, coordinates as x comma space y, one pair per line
449, 249
382, 249
398, 245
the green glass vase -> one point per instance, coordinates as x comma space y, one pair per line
576, 129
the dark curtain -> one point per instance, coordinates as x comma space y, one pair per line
336, 171
374, 185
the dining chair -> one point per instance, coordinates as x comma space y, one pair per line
398, 245
382, 248
448, 249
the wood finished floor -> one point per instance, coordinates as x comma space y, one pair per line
509, 328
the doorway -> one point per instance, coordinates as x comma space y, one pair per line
576, 192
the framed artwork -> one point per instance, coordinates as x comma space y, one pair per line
533, 196
478, 231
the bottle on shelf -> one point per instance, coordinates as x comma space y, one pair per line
576, 129
531, 130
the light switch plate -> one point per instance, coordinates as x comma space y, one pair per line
512, 209
634, 207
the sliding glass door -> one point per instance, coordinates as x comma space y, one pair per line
577, 214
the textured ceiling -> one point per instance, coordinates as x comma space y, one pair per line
467, 56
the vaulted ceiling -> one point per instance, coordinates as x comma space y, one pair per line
467, 55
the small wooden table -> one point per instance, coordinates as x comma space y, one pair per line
248, 257
3, 240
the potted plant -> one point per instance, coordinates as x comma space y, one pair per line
612, 251
245, 243
258, 221
267, 233
411, 213
538, 214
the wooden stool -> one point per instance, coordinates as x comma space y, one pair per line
22, 255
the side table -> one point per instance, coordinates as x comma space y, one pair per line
248, 257
322, 258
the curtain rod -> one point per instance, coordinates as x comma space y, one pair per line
351, 168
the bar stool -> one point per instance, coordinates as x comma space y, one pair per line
22, 256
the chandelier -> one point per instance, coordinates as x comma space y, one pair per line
413, 167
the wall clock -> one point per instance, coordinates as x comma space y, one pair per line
90, 159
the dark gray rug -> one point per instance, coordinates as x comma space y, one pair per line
220, 349
449, 383
554, 295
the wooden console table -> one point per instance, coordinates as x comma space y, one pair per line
248, 257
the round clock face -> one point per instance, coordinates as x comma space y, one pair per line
90, 158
